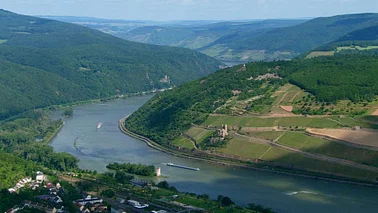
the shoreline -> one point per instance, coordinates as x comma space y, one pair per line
49, 140
227, 162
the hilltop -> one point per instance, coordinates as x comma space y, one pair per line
47, 62
256, 41
303, 116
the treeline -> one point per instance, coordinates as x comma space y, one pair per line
342, 77
137, 169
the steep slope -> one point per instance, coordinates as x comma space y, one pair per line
329, 79
77, 58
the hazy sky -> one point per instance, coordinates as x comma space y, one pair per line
190, 9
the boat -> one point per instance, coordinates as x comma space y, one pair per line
99, 125
182, 167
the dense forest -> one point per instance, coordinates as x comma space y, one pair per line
27, 137
309, 35
363, 38
329, 79
45, 62
168, 114
260, 40
137, 169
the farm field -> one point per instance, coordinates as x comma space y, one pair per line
183, 142
250, 150
244, 148
270, 135
366, 138
299, 140
315, 54
285, 97
311, 122
199, 134
356, 48
300, 161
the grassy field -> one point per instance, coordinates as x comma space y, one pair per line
244, 148
288, 94
320, 53
183, 142
270, 135
270, 122
249, 150
199, 134
307, 143
372, 119
298, 160
356, 48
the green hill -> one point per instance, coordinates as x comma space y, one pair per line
329, 80
364, 39
47, 62
212, 39
266, 40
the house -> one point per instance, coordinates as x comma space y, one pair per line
137, 205
40, 177
160, 211
87, 200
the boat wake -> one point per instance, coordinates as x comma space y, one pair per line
300, 192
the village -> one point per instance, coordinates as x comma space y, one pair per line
51, 201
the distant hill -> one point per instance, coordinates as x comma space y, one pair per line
363, 41
46, 62
261, 40
212, 39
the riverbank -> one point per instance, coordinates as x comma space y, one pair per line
50, 138
207, 157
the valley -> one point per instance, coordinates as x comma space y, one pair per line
252, 115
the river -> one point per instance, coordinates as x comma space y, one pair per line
282, 193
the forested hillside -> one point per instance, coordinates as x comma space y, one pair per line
363, 39
328, 79
266, 40
196, 37
46, 62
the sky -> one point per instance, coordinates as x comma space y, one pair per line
163, 10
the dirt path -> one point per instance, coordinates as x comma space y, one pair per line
293, 98
311, 155
281, 99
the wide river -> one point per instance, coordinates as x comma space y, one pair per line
283, 193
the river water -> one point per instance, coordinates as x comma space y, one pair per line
283, 193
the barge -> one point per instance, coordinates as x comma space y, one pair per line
182, 167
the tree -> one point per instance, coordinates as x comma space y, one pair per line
68, 112
109, 193
163, 184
